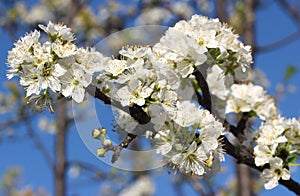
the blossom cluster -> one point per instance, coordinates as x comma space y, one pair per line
277, 145
54, 67
191, 43
162, 81
250, 98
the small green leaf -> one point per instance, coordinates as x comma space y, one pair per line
290, 71
292, 159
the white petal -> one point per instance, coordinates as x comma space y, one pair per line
78, 94
67, 91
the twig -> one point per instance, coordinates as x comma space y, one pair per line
124, 144
31, 133
286, 40
37, 141
291, 10
196, 185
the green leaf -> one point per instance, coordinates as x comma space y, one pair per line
290, 71
292, 159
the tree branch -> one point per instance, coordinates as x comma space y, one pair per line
135, 111
39, 145
286, 40
294, 13
204, 88
242, 155
124, 144
239, 130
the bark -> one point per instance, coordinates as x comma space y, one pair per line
60, 149
221, 10
244, 173
249, 26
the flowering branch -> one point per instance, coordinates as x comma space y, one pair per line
151, 85
242, 155
135, 111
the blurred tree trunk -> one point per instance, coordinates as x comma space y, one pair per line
60, 149
221, 10
244, 173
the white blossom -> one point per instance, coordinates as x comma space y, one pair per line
191, 161
59, 30
275, 173
135, 92
249, 97
217, 82
74, 83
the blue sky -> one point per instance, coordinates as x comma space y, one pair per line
272, 24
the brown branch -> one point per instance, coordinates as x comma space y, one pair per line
239, 130
135, 111
204, 88
124, 144
242, 155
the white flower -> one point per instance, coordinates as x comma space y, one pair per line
59, 30
263, 154
135, 52
158, 115
163, 141
216, 81
49, 76
212, 34
74, 83
271, 132
116, 67
92, 61
183, 50
191, 161
22, 52
134, 92
187, 114
64, 50
248, 97
292, 132
275, 173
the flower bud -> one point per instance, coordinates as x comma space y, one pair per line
106, 143
96, 134
100, 152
